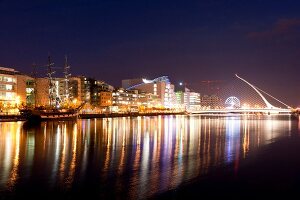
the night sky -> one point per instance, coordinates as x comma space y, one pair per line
189, 41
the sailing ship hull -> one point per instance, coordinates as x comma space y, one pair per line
49, 115
58, 116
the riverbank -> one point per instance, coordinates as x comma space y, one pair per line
273, 172
13, 118
111, 115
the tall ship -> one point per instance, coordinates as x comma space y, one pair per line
55, 110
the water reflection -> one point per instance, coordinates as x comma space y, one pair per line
135, 157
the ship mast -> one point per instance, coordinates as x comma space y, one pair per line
50, 72
66, 79
34, 75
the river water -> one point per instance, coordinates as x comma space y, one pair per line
127, 158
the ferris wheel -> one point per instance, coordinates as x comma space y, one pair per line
232, 102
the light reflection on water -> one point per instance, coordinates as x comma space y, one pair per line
131, 157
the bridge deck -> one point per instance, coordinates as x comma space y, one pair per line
244, 111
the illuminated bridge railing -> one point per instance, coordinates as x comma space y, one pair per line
244, 111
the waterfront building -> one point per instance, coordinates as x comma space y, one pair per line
105, 98
42, 92
194, 101
172, 96
82, 89
160, 87
13, 88
84, 86
75, 89
183, 97
88, 90
124, 100
36, 91
8, 87
101, 93
25, 89
20, 89
30, 92
134, 100
148, 100
186, 97
179, 97
180, 100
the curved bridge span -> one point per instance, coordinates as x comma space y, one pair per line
245, 111
269, 109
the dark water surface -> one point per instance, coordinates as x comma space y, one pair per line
128, 157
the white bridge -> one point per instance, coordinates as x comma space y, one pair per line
269, 109
244, 111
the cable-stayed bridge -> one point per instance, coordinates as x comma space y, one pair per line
232, 104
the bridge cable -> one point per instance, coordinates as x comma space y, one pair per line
273, 97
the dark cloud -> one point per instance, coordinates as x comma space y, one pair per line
289, 28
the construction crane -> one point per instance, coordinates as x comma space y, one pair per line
209, 84
145, 81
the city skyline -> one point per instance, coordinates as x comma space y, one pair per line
189, 42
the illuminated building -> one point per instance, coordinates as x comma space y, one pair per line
36, 91
25, 89
8, 86
125, 100
105, 98
80, 88
160, 86
40, 97
179, 97
18, 88
30, 92
83, 88
75, 89
148, 100
183, 96
101, 93
133, 100
172, 96
42, 92
186, 97
194, 101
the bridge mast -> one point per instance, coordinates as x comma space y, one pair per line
270, 106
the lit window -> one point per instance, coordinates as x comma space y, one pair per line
10, 95
9, 87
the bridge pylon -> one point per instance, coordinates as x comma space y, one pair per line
268, 104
